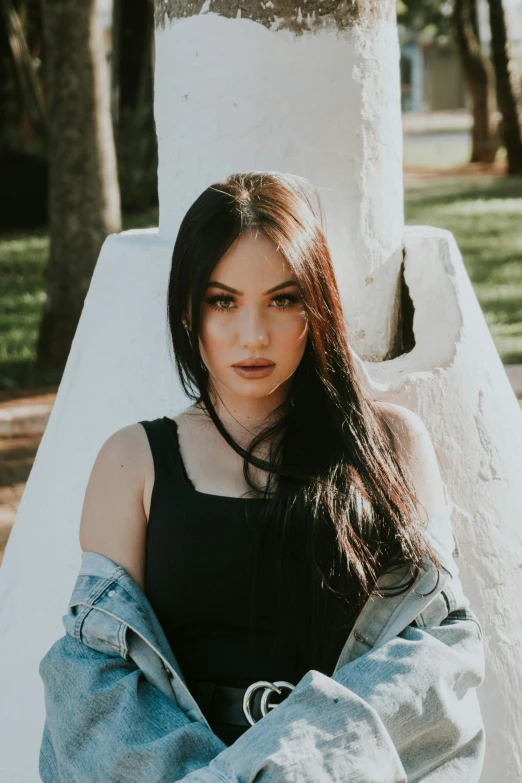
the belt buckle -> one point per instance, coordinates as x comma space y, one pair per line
269, 688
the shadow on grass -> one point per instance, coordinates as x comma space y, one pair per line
455, 189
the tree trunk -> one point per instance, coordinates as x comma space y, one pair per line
135, 131
507, 85
84, 200
479, 77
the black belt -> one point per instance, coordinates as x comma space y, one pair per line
229, 704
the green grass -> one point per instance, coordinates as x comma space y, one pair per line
23, 258
485, 216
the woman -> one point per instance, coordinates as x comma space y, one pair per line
260, 520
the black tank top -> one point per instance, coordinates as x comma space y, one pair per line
200, 556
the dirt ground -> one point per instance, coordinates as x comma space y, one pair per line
413, 173
16, 457
16, 460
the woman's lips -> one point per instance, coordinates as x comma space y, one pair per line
253, 372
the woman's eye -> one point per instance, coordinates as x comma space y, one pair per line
220, 303
290, 299
214, 300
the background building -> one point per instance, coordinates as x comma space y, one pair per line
431, 73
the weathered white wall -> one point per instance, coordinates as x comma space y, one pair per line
232, 95
455, 381
118, 372
453, 378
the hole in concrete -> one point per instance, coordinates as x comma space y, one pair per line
407, 311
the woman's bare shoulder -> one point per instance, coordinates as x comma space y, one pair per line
413, 443
405, 423
113, 521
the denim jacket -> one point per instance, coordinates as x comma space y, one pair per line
400, 706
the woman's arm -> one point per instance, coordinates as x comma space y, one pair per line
113, 521
106, 724
104, 721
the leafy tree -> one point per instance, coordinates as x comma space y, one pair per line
23, 166
431, 17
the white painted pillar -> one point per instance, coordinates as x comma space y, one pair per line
316, 95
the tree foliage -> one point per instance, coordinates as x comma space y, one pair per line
431, 18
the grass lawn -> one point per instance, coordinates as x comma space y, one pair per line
485, 216
23, 257
484, 213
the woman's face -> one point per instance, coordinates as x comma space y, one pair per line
243, 317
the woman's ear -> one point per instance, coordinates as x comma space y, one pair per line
187, 317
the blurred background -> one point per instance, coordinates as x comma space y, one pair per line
78, 160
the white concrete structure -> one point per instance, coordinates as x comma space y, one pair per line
455, 381
345, 136
325, 105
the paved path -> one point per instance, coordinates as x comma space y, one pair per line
23, 420
436, 122
16, 460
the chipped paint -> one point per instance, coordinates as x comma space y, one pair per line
281, 14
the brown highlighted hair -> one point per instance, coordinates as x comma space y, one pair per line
339, 500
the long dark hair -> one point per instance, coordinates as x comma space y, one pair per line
338, 498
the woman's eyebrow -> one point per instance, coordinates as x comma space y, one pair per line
215, 284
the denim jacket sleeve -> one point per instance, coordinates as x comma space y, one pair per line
105, 722
406, 710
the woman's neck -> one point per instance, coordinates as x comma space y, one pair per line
243, 423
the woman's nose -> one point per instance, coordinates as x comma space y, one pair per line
253, 332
